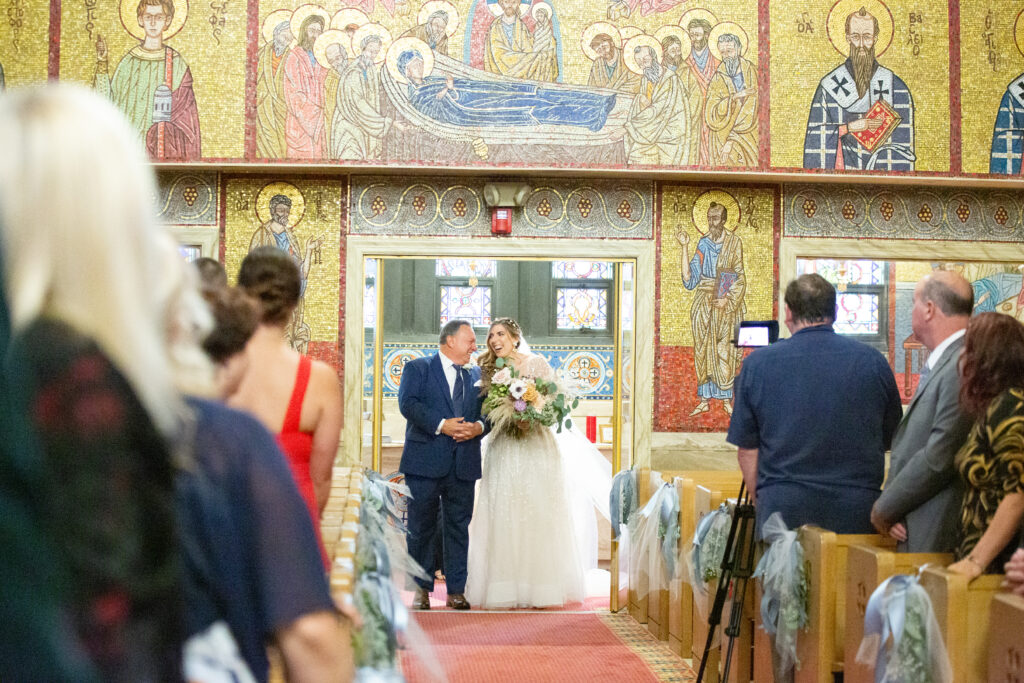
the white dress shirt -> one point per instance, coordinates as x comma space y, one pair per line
937, 352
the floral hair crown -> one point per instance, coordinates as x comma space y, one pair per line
510, 324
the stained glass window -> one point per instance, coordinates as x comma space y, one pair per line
857, 313
466, 303
852, 272
190, 252
370, 294
578, 307
581, 270
463, 267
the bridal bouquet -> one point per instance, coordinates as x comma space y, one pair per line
513, 401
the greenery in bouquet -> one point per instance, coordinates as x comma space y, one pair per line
514, 404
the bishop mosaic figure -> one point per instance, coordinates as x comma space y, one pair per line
1008, 135
862, 115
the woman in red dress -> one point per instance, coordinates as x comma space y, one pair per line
297, 398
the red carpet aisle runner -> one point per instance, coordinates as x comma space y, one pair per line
479, 647
440, 596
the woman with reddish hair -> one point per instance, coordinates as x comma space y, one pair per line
991, 462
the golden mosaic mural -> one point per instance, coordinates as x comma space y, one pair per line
302, 216
538, 83
991, 66
24, 42
121, 49
811, 85
684, 222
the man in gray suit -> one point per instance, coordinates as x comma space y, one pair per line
920, 504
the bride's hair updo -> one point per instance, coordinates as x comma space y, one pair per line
487, 358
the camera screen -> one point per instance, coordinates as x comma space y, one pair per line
757, 333
752, 336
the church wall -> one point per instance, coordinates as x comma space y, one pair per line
912, 229
954, 63
959, 61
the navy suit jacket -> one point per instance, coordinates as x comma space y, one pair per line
424, 400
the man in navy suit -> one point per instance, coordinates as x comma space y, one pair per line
441, 458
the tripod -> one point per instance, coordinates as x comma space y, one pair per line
737, 568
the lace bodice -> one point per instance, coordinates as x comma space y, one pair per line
534, 365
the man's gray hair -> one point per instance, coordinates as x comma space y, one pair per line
369, 39
949, 301
439, 14
284, 25
450, 329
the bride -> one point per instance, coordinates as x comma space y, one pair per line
532, 537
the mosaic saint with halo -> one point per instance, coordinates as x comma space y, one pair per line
602, 44
1008, 132
847, 127
280, 207
152, 84
717, 278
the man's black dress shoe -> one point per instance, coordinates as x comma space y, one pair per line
458, 601
422, 599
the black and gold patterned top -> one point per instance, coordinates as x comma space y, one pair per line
991, 464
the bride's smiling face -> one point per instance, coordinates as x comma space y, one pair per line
501, 341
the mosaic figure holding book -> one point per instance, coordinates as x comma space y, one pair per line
862, 115
715, 275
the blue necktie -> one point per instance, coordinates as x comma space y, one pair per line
459, 392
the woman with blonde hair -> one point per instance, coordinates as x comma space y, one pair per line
84, 265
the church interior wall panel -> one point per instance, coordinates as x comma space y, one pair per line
311, 227
455, 206
231, 102
189, 198
901, 212
808, 46
685, 312
992, 60
24, 42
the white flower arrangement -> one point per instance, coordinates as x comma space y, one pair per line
502, 377
513, 401
517, 388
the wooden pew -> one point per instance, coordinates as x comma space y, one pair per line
820, 647
866, 568
962, 611
681, 610
1005, 640
659, 601
638, 580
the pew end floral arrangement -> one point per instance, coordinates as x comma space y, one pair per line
515, 404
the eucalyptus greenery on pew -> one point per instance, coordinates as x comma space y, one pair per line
784, 586
381, 558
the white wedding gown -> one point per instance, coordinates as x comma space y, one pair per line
533, 535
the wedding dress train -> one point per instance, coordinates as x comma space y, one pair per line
522, 549
533, 535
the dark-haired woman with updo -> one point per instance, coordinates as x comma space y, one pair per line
991, 462
297, 398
